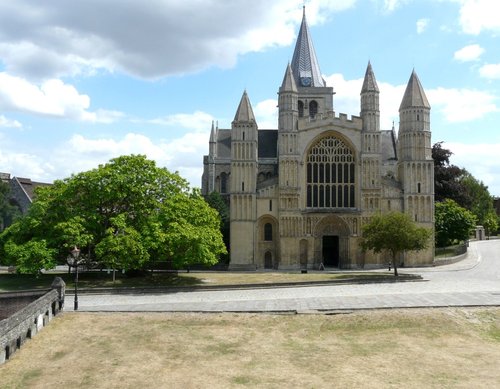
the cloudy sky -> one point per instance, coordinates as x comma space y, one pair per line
84, 81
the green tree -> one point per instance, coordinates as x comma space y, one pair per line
121, 214
481, 202
215, 200
448, 178
394, 232
490, 223
452, 223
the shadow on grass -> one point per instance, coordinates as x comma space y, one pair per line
13, 282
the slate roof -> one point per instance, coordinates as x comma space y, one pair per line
268, 143
388, 145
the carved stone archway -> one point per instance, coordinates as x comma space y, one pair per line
331, 242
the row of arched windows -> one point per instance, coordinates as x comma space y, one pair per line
313, 108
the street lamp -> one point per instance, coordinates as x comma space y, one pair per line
75, 253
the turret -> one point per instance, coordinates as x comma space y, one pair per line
370, 111
243, 202
415, 164
414, 122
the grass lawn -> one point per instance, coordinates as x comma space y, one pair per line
433, 348
10, 282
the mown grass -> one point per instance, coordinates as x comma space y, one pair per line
10, 282
420, 348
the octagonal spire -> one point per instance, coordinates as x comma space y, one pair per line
305, 66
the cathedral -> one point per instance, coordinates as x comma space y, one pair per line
300, 194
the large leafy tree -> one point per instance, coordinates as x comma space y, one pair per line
395, 233
122, 215
481, 202
455, 183
448, 178
453, 223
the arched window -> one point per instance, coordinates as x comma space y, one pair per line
268, 232
301, 108
313, 108
223, 183
330, 175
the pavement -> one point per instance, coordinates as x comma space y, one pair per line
473, 281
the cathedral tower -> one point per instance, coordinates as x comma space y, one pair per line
244, 155
415, 164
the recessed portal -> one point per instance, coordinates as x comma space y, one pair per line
268, 260
331, 251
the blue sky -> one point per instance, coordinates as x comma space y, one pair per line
84, 81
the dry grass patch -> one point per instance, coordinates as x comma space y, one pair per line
435, 348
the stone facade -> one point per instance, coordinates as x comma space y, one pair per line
300, 194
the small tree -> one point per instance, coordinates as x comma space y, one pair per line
394, 232
490, 223
453, 223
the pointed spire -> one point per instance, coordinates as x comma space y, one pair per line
414, 95
212, 133
369, 83
288, 81
244, 112
305, 66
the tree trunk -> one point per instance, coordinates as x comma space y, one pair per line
394, 264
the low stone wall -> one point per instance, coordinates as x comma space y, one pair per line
30, 319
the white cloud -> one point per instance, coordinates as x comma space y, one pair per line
469, 53
391, 5
198, 120
266, 114
4, 122
479, 15
347, 100
491, 71
148, 40
52, 98
485, 168
461, 105
456, 105
422, 25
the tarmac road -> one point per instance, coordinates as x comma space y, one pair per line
474, 281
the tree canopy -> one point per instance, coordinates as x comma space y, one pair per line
453, 223
394, 232
457, 184
123, 215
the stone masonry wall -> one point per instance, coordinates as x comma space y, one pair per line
28, 321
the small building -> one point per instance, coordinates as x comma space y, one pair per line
22, 193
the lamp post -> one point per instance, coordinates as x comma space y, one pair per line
75, 253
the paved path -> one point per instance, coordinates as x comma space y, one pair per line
473, 281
